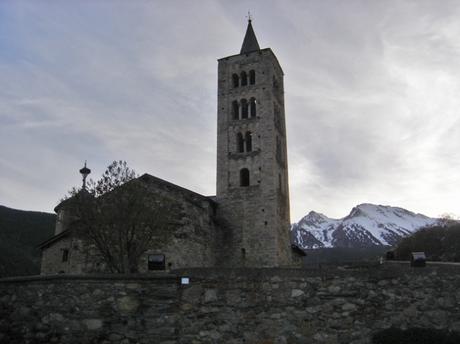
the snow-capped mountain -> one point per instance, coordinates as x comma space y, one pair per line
366, 225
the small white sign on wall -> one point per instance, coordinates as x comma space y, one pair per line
184, 280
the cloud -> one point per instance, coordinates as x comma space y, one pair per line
371, 93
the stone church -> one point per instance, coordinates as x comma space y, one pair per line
247, 223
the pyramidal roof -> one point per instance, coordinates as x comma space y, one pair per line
250, 41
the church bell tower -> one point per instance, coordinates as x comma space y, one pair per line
252, 173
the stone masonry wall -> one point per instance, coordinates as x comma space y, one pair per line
53, 263
230, 306
97, 309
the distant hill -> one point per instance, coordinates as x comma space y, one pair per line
366, 226
20, 232
440, 243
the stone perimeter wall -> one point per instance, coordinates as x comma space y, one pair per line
260, 306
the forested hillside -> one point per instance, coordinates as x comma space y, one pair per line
440, 243
20, 232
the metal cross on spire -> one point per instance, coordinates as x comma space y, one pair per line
249, 16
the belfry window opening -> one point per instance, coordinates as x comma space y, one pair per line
240, 143
244, 79
252, 77
235, 110
235, 80
248, 141
252, 106
244, 109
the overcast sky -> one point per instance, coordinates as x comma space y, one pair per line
372, 94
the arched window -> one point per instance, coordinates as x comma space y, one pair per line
252, 105
244, 79
244, 177
239, 143
252, 77
248, 140
236, 80
235, 110
244, 109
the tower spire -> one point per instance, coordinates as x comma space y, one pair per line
250, 41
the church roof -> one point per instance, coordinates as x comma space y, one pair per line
54, 238
148, 178
250, 41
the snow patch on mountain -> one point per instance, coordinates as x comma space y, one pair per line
366, 225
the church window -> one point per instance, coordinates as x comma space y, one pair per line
65, 255
156, 262
235, 110
236, 80
248, 140
244, 79
244, 109
252, 77
252, 105
244, 177
240, 143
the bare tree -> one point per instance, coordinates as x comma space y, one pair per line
122, 218
448, 219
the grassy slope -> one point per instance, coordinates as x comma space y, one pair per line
20, 232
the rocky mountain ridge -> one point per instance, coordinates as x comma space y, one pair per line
367, 225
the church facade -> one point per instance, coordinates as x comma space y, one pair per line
247, 223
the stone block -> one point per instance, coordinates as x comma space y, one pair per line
334, 289
128, 304
93, 324
296, 292
349, 307
210, 295
233, 296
